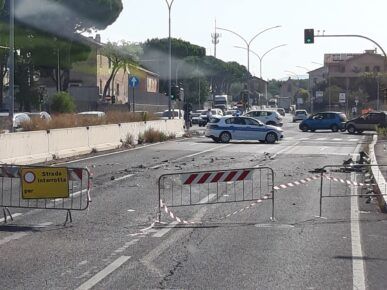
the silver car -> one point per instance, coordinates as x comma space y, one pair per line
229, 128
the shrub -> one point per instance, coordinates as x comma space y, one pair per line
129, 141
151, 136
62, 102
382, 131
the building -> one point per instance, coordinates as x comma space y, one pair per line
86, 80
350, 72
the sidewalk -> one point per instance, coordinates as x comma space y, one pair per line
378, 154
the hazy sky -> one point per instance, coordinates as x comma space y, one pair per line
193, 20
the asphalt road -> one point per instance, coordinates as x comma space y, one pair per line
116, 245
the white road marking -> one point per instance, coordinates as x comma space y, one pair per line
173, 224
357, 252
353, 140
162, 232
285, 149
321, 139
337, 139
13, 237
198, 153
123, 177
103, 273
13, 215
131, 210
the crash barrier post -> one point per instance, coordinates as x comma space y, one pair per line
215, 186
362, 176
39, 187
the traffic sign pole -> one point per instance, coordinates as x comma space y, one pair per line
133, 99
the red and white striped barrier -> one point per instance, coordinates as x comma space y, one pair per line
277, 187
214, 177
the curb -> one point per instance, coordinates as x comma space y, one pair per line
381, 185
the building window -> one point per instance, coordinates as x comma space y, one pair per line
117, 89
367, 68
100, 87
376, 68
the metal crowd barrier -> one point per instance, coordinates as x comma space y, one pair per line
39, 187
215, 186
353, 180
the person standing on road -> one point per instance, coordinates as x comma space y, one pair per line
209, 115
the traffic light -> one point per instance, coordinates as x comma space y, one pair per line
175, 93
308, 36
113, 99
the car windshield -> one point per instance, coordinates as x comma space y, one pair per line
193, 144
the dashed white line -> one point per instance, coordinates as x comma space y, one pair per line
13, 215
123, 177
103, 273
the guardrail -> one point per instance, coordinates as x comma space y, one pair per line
39, 187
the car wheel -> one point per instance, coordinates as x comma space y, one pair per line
304, 128
351, 129
335, 128
225, 137
271, 138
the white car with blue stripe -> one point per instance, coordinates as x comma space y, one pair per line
229, 128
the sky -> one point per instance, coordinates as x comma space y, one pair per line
194, 21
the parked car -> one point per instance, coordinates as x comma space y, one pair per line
97, 114
300, 115
366, 122
229, 128
334, 121
266, 116
40, 115
281, 111
196, 117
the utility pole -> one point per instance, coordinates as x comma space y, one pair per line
215, 39
11, 61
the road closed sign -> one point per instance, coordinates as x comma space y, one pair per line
44, 182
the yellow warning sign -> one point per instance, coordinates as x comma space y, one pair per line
44, 182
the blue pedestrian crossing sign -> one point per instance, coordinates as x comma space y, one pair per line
134, 82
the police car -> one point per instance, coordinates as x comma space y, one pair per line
229, 128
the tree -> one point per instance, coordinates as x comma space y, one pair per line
54, 28
62, 102
121, 55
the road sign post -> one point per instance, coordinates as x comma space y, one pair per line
133, 83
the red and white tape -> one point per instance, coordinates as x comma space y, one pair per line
267, 196
296, 183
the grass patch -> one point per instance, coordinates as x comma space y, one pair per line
129, 141
73, 120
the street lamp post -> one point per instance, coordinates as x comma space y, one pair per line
169, 4
248, 43
260, 61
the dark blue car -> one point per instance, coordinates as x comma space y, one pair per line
334, 121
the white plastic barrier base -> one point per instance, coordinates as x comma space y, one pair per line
379, 178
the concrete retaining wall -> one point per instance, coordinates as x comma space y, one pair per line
40, 146
381, 187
